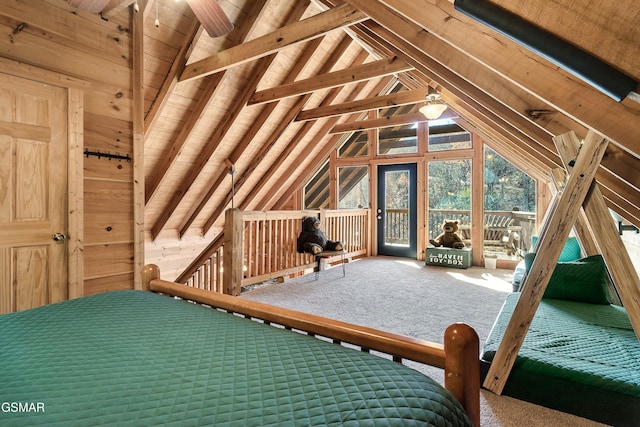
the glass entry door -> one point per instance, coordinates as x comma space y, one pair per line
397, 210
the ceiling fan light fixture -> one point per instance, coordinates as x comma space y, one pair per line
434, 107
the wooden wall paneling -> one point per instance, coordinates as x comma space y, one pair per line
173, 254
108, 204
171, 78
102, 261
37, 50
554, 234
86, 33
113, 104
108, 283
240, 33
107, 134
262, 155
208, 149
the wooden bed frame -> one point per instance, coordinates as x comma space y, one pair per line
459, 356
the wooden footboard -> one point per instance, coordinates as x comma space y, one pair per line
459, 356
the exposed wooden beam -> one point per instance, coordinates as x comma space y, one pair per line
588, 243
428, 54
472, 101
554, 233
499, 88
506, 98
92, 6
208, 149
273, 42
192, 118
114, 7
199, 204
286, 121
621, 268
195, 114
381, 122
259, 70
327, 142
266, 179
371, 70
394, 99
619, 121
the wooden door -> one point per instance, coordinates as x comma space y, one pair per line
33, 194
397, 210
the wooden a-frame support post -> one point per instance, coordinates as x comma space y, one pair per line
554, 232
621, 269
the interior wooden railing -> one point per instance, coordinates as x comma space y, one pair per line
259, 246
205, 272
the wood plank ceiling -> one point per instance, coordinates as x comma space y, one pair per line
266, 98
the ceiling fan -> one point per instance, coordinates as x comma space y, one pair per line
209, 13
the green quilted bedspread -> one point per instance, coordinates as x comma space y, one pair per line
133, 358
591, 344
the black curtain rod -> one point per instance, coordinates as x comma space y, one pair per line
578, 62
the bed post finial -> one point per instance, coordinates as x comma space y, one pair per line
149, 272
462, 367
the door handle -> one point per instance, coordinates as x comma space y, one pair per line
59, 237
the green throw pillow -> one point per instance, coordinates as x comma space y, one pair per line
570, 251
583, 280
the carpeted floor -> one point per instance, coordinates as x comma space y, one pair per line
406, 297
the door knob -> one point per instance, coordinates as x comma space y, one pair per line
59, 237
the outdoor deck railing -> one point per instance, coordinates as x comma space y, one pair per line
495, 223
396, 228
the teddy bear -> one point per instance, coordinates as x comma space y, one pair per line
449, 237
313, 240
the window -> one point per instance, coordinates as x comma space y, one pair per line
316, 192
509, 207
506, 188
445, 134
449, 195
355, 146
353, 187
